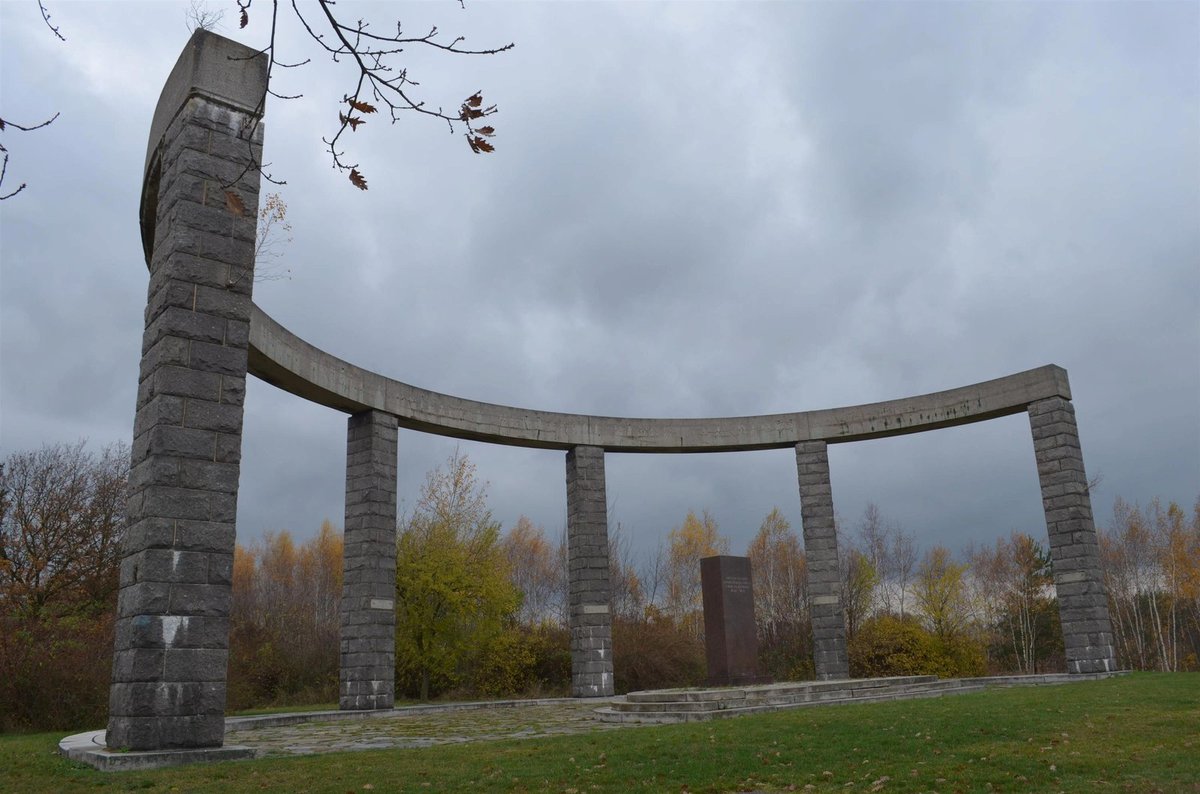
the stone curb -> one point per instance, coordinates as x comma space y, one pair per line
88, 748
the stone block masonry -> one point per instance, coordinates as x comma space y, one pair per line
1074, 549
820, 549
587, 560
368, 618
171, 645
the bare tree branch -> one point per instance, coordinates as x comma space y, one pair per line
376, 78
46, 19
201, 17
4, 151
4, 124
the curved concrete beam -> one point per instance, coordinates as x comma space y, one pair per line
230, 74
281, 358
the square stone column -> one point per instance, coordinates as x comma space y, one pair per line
587, 556
172, 631
820, 550
1074, 548
368, 641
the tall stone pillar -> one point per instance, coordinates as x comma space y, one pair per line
172, 631
368, 651
1074, 550
587, 553
820, 549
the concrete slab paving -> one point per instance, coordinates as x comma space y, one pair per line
306, 733
397, 729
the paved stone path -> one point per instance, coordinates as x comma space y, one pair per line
423, 729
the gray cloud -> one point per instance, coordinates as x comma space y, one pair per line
694, 209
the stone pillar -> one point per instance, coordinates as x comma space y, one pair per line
1074, 550
587, 552
172, 630
368, 650
820, 549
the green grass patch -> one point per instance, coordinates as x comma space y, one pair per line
284, 709
1135, 733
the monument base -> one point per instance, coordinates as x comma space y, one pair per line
739, 680
88, 748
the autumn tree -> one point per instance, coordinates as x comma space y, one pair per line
1016, 597
652, 646
272, 236
781, 611
284, 620
941, 592
628, 595
688, 543
887, 644
1151, 562
892, 554
453, 591
1126, 559
62, 519
538, 571
859, 581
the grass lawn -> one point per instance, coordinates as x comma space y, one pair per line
1135, 733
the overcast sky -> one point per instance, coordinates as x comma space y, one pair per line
694, 209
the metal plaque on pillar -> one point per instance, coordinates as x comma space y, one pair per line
730, 635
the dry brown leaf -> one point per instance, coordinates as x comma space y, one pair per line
361, 107
475, 100
245, 19
357, 179
234, 203
488, 131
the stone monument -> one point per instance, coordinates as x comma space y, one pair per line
730, 634
203, 335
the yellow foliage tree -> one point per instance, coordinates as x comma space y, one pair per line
453, 591
941, 592
780, 576
695, 539
284, 622
537, 573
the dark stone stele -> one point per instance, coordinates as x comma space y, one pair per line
730, 635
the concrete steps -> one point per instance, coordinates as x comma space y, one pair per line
696, 705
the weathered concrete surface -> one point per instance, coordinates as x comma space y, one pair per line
88, 748
587, 574
213, 68
1074, 549
820, 549
368, 617
283, 359
170, 649
305, 733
